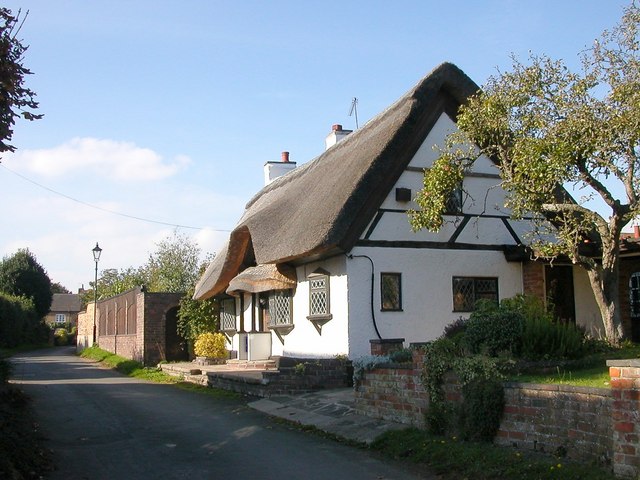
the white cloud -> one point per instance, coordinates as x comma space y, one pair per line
115, 160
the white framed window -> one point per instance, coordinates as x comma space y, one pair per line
61, 318
319, 295
228, 314
634, 295
280, 308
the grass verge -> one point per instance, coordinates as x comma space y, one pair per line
452, 459
134, 369
591, 371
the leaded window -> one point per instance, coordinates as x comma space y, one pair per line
454, 201
280, 308
468, 290
319, 298
391, 291
228, 315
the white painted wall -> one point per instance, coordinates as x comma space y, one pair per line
587, 312
304, 340
427, 295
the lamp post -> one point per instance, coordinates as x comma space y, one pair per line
96, 256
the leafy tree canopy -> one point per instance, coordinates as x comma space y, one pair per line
21, 275
57, 287
546, 127
15, 99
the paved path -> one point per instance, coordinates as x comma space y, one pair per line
102, 425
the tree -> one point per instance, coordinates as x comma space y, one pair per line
197, 316
57, 287
21, 275
547, 127
174, 266
15, 99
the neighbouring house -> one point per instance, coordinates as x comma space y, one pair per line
64, 310
323, 259
136, 324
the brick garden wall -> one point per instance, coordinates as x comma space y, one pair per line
588, 424
559, 419
133, 324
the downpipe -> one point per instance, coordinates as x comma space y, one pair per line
373, 315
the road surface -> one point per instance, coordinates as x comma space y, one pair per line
102, 425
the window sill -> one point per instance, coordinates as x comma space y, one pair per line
391, 310
282, 328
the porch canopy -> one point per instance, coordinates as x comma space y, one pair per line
263, 278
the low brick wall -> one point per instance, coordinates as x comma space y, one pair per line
394, 393
595, 425
123, 345
625, 386
558, 419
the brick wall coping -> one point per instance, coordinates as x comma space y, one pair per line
632, 362
548, 387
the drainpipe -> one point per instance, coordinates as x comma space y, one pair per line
373, 315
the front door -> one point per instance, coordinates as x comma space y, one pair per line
559, 291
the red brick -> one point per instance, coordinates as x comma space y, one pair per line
622, 383
626, 427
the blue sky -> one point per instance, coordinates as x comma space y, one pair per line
168, 110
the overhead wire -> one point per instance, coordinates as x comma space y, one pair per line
106, 210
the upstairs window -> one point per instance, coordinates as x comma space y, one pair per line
391, 292
454, 202
468, 290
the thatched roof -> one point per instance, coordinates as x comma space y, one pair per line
322, 207
66, 302
263, 278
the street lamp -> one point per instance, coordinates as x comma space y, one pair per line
96, 256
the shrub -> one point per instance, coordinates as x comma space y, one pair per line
211, 345
401, 356
366, 363
60, 336
456, 329
481, 409
492, 329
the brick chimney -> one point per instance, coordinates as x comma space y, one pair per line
337, 134
273, 170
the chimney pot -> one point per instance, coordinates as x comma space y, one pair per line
336, 128
285, 157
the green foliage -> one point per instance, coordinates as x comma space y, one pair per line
445, 175
481, 411
493, 330
17, 100
452, 459
19, 322
196, 317
401, 356
546, 126
61, 336
174, 267
364, 364
22, 275
211, 345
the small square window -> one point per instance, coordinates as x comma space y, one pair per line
468, 290
391, 291
454, 202
61, 318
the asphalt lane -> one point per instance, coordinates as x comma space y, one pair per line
102, 425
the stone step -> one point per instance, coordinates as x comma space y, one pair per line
252, 364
